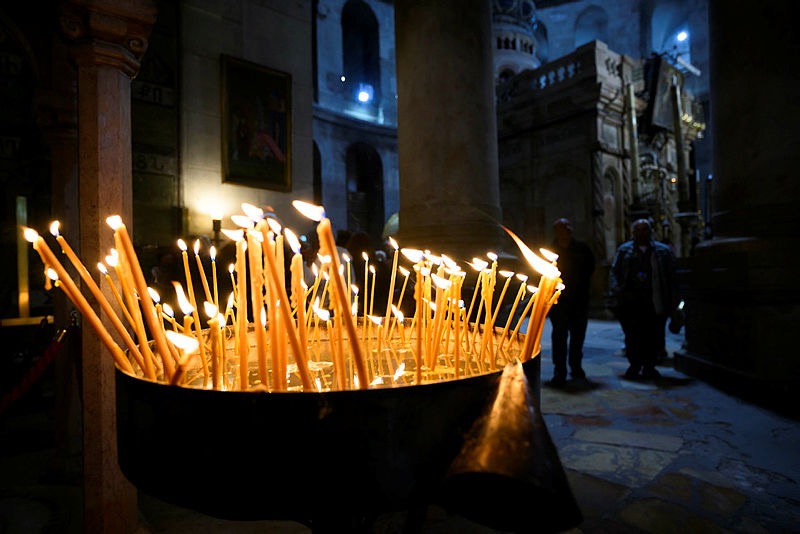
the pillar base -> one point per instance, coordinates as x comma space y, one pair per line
742, 312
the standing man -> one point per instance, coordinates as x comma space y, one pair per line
644, 283
570, 315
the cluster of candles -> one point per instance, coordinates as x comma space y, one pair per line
334, 343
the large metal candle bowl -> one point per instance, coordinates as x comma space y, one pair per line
293, 401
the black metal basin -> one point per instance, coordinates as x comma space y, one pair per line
297, 455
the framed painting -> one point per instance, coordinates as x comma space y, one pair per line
256, 125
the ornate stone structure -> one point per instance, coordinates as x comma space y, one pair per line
569, 147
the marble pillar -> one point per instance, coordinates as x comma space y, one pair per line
107, 41
447, 127
742, 286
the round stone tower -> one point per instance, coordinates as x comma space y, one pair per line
514, 42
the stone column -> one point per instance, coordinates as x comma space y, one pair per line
743, 292
447, 127
108, 39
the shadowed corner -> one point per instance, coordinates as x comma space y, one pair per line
508, 474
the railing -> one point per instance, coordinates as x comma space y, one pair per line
591, 61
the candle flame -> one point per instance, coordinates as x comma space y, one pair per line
375, 319
405, 272
414, 255
398, 314
113, 258
492, 256
400, 370
540, 265
185, 343
346, 257
254, 213
154, 295
212, 252
312, 211
114, 221
52, 274
242, 221
183, 302
167, 309
210, 309
30, 234
292, 241
549, 255
54, 226
393, 243
102, 268
441, 283
182, 245
255, 234
274, 225
522, 277
234, 235
197, 247
506, 274
478, 264
323, 314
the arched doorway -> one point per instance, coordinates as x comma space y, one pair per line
365, 207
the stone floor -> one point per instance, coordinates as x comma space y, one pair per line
670, 455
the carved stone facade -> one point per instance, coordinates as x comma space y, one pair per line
567, 149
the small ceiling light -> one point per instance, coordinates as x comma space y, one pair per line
342, 78
682, 36
365, 93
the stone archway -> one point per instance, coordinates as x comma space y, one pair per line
365, 205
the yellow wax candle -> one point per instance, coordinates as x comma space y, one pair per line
213, 254
254, 257
513, 310
387, 316
328, 246
243, 346
103, 302
201, 270
49, 259
198, 326
279, 294
115, 292
153, 321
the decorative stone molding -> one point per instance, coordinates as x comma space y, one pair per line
109, 32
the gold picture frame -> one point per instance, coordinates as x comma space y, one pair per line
256, 125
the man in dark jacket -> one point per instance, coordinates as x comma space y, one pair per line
570, 315
644, 285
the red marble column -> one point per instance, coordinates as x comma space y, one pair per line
108, 39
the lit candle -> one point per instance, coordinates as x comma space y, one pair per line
49, 259
153, 321
188, 346
243, 346
523, 278
200, 268
297, 281
102, 268
213, 254
279, 292
547, 285
254, 257
146, 365
217, 348
188, 315
198, 326
328, 246
390, 298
